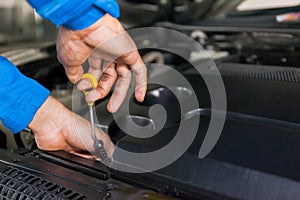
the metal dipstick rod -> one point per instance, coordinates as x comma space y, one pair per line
92, 122
98, 144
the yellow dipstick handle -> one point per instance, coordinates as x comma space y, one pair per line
90, 77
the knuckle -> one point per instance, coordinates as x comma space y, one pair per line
123, 71
106, 77
129, 58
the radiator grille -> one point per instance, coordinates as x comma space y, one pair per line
18, 184
276, 73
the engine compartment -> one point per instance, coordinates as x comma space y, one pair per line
258, 148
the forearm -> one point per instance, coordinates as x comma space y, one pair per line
75, 14
20, 97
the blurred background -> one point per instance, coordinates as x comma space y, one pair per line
20, 23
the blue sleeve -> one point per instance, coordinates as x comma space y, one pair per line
75, 14
20, 97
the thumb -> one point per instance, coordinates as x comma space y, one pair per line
74, 73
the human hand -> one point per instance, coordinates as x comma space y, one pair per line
113, 55
57, 128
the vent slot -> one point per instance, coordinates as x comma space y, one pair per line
18, 184
287, 74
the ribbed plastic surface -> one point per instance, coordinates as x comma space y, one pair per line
276, 73
18, 184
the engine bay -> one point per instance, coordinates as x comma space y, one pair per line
255, 157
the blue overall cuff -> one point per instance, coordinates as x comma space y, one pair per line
75, 14
20, 97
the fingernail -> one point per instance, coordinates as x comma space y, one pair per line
112, 106
139, 94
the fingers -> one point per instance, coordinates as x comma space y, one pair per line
134, 60
84, 155
97, 66
117, 46
120, 91
105, 84
140, 71
107, 81
95, 69
74, 47
106, 76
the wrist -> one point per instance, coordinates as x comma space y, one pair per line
43, 123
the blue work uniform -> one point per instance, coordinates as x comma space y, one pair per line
21, 97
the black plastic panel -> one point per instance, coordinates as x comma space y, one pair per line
250, 161
33, 178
